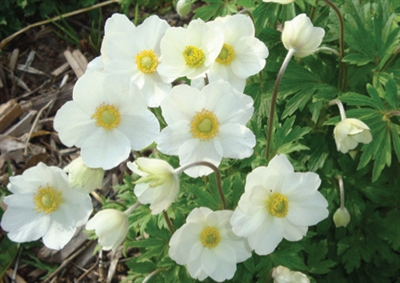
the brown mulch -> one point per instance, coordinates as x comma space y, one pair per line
38, 71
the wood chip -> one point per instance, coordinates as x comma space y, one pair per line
77, 62
31, 70
9, 112
61, 69
23, 126
13, 60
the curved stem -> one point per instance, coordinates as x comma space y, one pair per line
343, 67
325, 48
341, 188
166, 217
217, 176
132, 208
341, 108
274, 98
148, 277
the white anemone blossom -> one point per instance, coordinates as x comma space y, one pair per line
111, 227
283, 274
349, 132
138, 55
43, 205
279, 1
278, 203
189, 51
107, 118
158, 185
207, 245
206, 125
300, 35
242, 54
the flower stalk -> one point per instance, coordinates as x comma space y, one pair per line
285, 63
217, 176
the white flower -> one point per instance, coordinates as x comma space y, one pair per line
189, 51
107, 118
83, 177
341, 217
300, 34
118, 34
207, 246
137, 54
242, 54
111, 227
282, 274
206, 125
349, 132
43, 205
158, 185
278, 203
279, 1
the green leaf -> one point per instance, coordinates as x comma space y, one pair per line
357, 59
392, 95
8, 251
316, 258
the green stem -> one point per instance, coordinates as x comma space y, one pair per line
341, 188
217, 176
341, 108
274, 98
343, 67
169, 224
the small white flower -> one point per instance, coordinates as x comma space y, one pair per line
83, 177
107, 118
300, 34
189, 51
278, 203
206, 125
111, 227
158, 185
282, 274
43, 205
349, 132
138, 55
242, 54
207, 246
279, 1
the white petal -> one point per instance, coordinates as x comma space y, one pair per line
237, 141
173, 137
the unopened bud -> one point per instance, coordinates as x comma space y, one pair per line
184, 7
341, 217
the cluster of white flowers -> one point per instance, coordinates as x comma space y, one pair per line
109, 117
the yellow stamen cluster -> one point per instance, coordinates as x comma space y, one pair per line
47, 199
204, 125
226, 55
210, 237
278, 205
147, 61
194, 57
107, 116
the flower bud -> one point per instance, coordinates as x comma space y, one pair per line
300, 34
184, 7
283, 274
349, 132
279, 1
83, 177
341, 217
111, 226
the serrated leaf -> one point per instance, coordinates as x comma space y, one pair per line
391, 95
357, 59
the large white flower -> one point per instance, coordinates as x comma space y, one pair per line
300, 34
111, 226
242, 54
158, 185
278, 203
349, 132
189, 51
107, 118
83, 177
206, 125
43, 205
207, 246
137, 54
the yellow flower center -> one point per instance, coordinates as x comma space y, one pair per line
47, 199
210, 237
204, 125
278, 205
194, 57
226, 55
107, 116
147, 61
